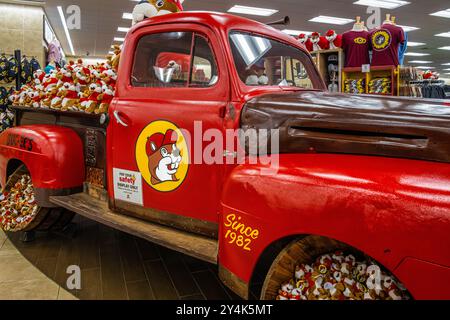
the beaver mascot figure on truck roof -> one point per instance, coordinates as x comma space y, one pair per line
151, 8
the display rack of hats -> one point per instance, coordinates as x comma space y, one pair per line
327, 55
14, 71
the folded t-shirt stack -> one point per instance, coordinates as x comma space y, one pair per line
355, 86
380, 86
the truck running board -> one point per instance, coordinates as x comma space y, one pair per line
199, 247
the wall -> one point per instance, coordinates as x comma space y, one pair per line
21, 27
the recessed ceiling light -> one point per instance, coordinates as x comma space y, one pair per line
295, 32
416, 54
127, 15
446, 69
445, 35
255, 11
425, 68
331, 20
446, 64
122, 29
118, 39
420, 61
66, 29
443, 13
408, 28
415, 44
387, 4
445, 48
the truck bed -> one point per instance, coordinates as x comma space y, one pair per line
87, 126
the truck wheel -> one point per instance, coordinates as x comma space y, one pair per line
19, 211
317, 268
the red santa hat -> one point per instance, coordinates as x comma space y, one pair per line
86, 71
158, 140
302, 37
315, 35
331, 33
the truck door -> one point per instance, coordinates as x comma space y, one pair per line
170, 92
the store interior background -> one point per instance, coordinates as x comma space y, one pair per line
104, 24
21, 24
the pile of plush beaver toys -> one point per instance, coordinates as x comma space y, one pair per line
341, 277
18, 206
75, 87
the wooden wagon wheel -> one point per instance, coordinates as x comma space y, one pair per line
46, 219
303, 251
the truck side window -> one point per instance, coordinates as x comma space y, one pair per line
204, 68
262, 61
163, 60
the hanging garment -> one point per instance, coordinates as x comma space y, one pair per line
385, 43
402, 49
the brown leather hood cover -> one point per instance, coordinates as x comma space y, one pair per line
322, 122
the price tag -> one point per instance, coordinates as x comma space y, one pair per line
365, 68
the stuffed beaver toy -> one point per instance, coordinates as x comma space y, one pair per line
152, 8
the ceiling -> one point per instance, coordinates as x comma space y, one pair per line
100, 19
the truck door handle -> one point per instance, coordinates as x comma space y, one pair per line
118, 119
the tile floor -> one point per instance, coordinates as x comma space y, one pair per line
20, 280
114, 265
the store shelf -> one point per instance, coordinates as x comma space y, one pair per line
356, 73
320, 58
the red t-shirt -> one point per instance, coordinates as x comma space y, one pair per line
356, 47
384, 42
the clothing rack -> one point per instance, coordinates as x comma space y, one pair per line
434, 89
18, 56
427, 82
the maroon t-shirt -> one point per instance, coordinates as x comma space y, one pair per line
356, 47
384, 42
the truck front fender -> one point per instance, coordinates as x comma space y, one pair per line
53, 155
387, 208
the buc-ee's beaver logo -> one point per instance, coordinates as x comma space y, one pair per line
381, 40
162, 156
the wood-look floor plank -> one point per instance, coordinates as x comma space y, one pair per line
184, 282
160, 281
113, 282
132, 263
91, 288
210, 286
140, 290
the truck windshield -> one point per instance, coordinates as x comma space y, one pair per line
265, 62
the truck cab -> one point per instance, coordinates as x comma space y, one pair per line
158, 166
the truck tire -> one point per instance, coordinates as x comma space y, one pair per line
282, 282
45, 219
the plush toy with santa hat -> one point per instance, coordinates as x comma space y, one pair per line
152, 8
334, 39
318, 42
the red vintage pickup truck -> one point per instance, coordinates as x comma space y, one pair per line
348, 178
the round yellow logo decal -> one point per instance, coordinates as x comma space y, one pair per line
162, 156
